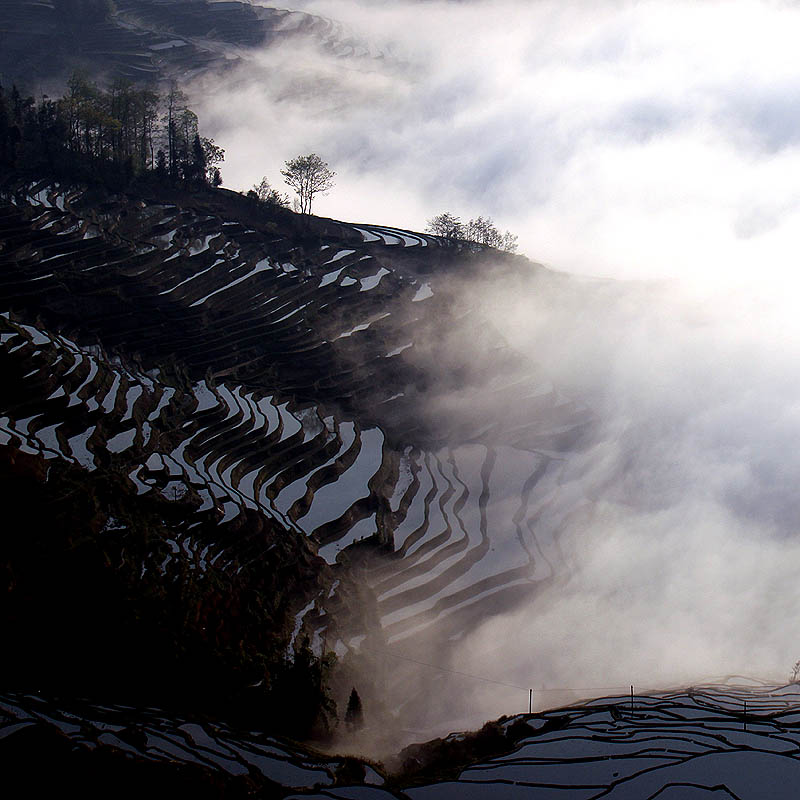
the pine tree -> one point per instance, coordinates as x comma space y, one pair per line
197, 169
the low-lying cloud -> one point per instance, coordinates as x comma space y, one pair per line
682, 568
628, 139
676, 557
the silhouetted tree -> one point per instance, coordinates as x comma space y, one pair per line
137, 113
214, 155
308, 176
180, 126
446, 225
107, 133
161, 164
17, 105
301, 695
195, 167
483, 231
354, 715
266, 194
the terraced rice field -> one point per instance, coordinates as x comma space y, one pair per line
716, 741
720, 741
154, 40
161, 737
233, 367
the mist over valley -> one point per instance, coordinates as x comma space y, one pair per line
499, 417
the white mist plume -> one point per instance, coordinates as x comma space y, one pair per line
684, 566
617, 138
678, 559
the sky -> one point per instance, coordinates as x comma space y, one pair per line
637, 140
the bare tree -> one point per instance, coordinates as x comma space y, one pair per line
214, 155
446, 225
509, 242
175, 490
308, 176
483, 231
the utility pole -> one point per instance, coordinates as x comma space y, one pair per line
530, 701
631, 699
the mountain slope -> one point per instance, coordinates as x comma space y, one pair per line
331, 377
151, 40
720, 741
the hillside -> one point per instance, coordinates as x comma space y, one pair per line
292, 505
240, 374
43, 41
252, 459
720, 741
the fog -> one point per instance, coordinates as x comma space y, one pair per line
652, 143
684, 569
646, 139
678, 561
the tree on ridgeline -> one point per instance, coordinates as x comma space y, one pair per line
446, 225
214, 155
137, 113
308, 176
481, 231
264, 193
104, 133
175, 106
189, 155
196, 167
88, 123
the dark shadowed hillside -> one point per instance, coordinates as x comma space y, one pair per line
241, 374
291, 503
149, 40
